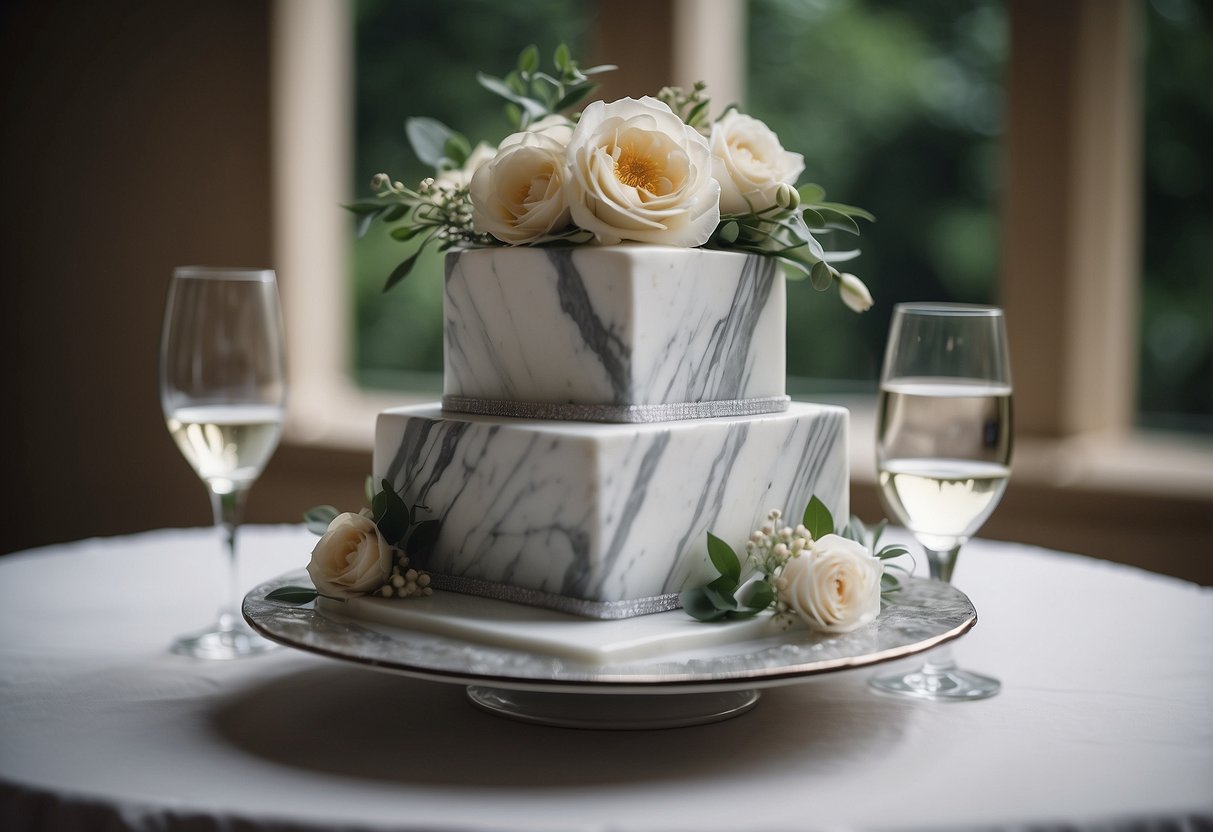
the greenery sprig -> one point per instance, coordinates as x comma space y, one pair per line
735, 595
787, 231
399, 525
531, 94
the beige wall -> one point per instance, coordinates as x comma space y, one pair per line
135, 137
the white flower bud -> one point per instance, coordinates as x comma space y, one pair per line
385, 591
775, 514
380, 181
767, 530
801, 531
423, 580
397, 581
787, 197
411, 575
781, 551
757, 537
854, 294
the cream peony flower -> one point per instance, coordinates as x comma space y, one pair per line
750, 163
461, 177
520, 196
351, 558
854, 294
637, 172
834, 586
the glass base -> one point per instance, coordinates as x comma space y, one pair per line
614, 712
938, 684
220, 642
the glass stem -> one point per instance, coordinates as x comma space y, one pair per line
942, 562
229, 509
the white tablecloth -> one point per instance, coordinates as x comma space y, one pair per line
1105, 720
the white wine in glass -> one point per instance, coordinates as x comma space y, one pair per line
223, 392
944, 451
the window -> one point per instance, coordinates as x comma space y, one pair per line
920, 140
1175, 379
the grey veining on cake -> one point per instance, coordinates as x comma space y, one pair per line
624, 325
605, 512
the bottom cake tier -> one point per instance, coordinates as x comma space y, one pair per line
602, 520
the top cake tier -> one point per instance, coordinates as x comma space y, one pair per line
621, 334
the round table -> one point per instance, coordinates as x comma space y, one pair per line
1104, 720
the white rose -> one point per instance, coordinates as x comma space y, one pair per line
351, 558
834, 586
555, 127
854, 293
520, 196
750, 163
460, 177
637, 172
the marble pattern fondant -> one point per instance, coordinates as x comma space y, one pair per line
624, 325
605, 512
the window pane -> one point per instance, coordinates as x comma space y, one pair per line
420, 58
896, 107
1175, 388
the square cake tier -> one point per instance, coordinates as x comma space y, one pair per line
603, 520
614, 328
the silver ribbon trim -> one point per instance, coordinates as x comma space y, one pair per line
560, 603
619, 413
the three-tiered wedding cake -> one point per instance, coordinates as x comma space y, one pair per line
605, 407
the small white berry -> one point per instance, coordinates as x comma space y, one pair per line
385, 591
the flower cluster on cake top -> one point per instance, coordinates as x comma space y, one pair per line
650, 170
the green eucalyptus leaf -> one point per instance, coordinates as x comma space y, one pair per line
698, 605
821, 275
841, 256
428, 137
756, 596
528, 61
365, 221
811, 194
598, 70
457, 149
855, 530
720, 593
317, 519
893, 550
421, 540
514, 114
572, 98
697, 114
401, 271
406, 232
817, 519
395, 213
533, 108
724, 558
368, 207
728, 231
394, 517
813, 219
294, 595
562, 59
368, 487
849, 210
889, 583
877, 530
837, 221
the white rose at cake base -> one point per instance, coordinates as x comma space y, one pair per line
750, 163
834, 586
351, 558
519, 197
639, 173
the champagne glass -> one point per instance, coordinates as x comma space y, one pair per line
223, 392
944, 452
